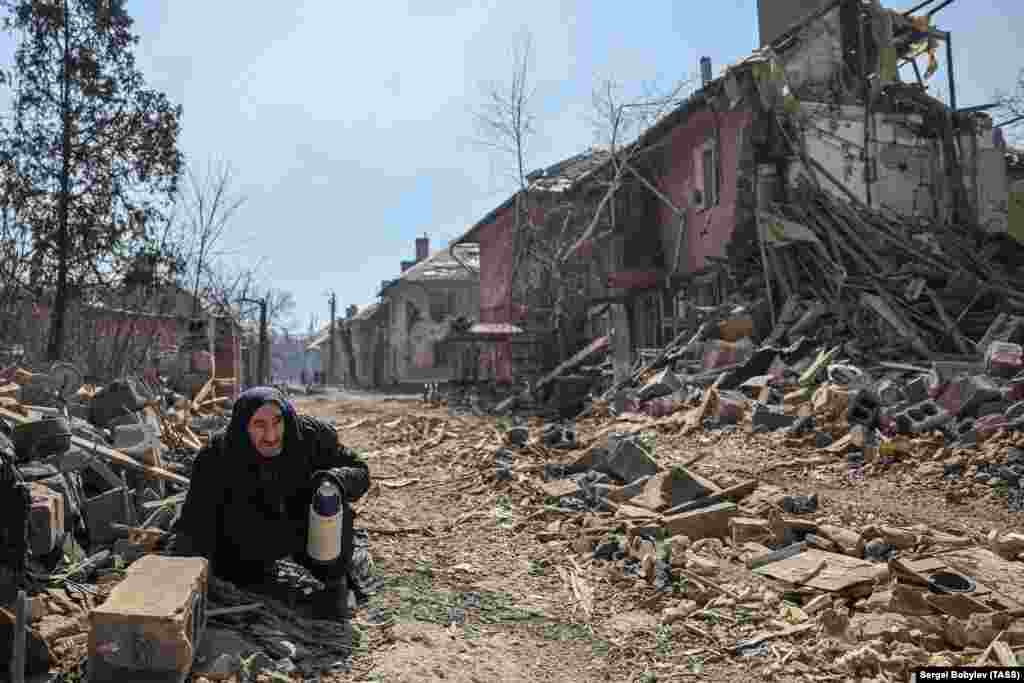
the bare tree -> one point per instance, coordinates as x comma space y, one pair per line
209, 205
619, 124
505, 120
1011, 108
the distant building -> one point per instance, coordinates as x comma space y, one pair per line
423, 304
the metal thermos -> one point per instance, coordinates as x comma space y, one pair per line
326, 522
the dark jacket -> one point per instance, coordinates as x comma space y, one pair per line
242, 515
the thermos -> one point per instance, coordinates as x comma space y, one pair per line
326, 522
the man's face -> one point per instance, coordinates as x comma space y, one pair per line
266, 430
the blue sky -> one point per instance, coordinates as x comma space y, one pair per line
350, 124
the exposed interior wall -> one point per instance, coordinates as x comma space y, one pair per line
415, 334
708, 230
775, 16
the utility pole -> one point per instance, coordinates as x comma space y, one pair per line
261, 365
333, 299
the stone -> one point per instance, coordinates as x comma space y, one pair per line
143, 634
707, 522
629, 461
46, 519
662, 384
220, 655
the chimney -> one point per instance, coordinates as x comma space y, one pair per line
422, 248
406, 265
775, 17
705, 71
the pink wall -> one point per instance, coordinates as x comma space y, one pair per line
496, 292
709, 230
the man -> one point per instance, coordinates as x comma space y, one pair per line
250, 493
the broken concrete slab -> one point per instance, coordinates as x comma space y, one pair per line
628, 460
821, 570
708, 522
674, 487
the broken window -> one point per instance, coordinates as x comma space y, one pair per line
706, 174
442, 305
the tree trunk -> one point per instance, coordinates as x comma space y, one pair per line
55, 348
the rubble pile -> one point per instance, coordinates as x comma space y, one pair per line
744, 566
103, 471
889, 288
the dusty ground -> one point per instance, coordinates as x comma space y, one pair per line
476, 590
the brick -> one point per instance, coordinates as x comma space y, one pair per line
141, 633
46, 519
709, 522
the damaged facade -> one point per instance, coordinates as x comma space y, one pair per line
423, 305
694, 214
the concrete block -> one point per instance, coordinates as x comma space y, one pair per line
922, 417
890, 393
70, 488
629, 461
103, 510
917, 389
663, 384
766, 418
46, 520
708, 522
150, 626
135, 436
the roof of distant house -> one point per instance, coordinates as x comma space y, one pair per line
441, 266
365, 312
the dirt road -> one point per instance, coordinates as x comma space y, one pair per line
481, 581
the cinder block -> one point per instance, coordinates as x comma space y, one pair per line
709, 522
150, 626
46, 519
105, 509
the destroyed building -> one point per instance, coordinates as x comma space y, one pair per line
423, 304
722, 197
